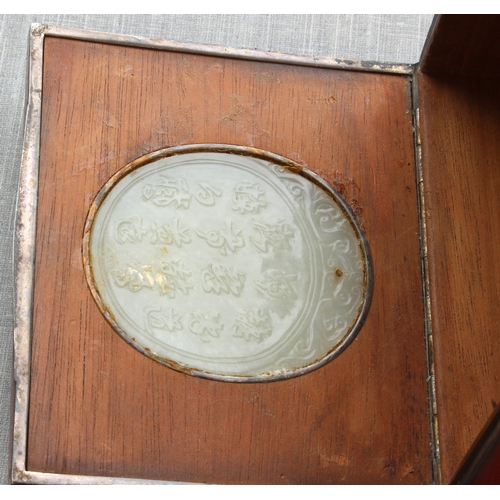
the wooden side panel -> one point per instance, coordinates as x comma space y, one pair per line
463, 45
481, 465
98, 406
490, 473
460, 130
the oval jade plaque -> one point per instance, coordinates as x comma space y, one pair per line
227, 262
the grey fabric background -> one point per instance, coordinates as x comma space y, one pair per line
385, 38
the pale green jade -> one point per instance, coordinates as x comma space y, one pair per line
226, 264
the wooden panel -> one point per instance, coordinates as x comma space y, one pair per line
460, 127
463, 45
490, 473
100, 407
481, 465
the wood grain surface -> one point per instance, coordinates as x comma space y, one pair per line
98, 407
460, 131
466, 45
481, 465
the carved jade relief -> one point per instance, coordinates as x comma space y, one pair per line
226, 265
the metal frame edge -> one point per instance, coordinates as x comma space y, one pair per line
426, 292
24, 253
216, 50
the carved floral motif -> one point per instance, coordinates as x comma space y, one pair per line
293, 184
328, 217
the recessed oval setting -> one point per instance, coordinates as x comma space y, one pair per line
227, 262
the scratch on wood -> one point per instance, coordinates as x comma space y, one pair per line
267, 78
340, 459
322, 100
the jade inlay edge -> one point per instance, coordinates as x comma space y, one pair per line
227, 263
